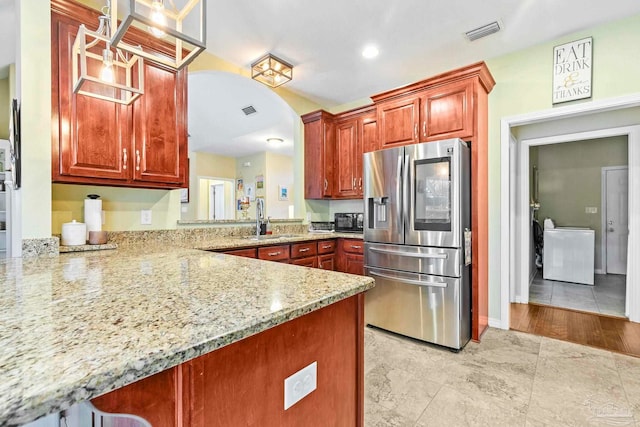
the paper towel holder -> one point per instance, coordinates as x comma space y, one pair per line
93, 196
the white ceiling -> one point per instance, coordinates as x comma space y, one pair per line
416, 39
218, 125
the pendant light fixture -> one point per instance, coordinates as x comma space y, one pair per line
100, 70
180, 23
271, 71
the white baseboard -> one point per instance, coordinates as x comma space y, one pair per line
497, 323
599, 271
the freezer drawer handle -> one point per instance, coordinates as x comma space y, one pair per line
409, 281
410, 254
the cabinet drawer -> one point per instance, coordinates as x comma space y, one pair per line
311, 261
307, 249
274, 253
326, 247
353, 246
247, 253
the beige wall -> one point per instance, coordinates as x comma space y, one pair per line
279, 173
523, 85
5, 108
570, 180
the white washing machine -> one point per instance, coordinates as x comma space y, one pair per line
569, 254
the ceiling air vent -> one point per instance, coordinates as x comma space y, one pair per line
483, 31
249, 110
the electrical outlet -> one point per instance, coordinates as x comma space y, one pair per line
300, 384
591, 210
145, 217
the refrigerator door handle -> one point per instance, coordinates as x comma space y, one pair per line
425, 283
409, 254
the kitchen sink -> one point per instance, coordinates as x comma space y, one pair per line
270, 236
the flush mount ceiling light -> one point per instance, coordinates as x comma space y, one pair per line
370, 52
271, 71
101, 71
275, 140
181, 23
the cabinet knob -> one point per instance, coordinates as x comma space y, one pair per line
124, 158
138, 160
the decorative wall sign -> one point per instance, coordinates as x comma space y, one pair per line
572, 70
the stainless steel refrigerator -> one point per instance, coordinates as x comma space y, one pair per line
417, 241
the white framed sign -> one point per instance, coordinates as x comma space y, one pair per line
572, 70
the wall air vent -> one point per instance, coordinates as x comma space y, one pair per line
249, 110
483, 31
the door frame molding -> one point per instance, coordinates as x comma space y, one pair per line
603, 212
506, 123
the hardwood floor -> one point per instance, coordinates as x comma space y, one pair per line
595, 330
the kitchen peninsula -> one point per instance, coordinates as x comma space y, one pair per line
211, 337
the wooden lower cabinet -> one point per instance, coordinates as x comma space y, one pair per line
311, 262
327, 262
242, 384
351, 256
274, 253
247, 253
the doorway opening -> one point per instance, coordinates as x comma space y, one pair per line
216, 198
587, 121
578, 192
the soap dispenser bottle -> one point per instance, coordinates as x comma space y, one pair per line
269, 231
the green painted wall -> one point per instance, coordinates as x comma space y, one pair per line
523, 85
570, 177
5, 108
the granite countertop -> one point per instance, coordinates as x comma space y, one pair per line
78, 325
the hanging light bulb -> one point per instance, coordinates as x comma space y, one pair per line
106, 74
157, 16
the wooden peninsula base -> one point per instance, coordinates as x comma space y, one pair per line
242, 384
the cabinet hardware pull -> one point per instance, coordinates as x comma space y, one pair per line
356, 247
424, 128
360, 183
326, 184
273, 253
415, 131
354, 182
304, 250
138, 161
124, 158
326, 247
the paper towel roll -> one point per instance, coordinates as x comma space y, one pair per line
93, 214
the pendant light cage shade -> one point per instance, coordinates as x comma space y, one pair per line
102, 72
271, 71
179, 23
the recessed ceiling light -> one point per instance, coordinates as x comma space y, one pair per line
370, 51
275, 140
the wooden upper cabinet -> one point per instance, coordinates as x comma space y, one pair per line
447, 111
159, 122
369, 132
91, 133
348, 155
398, 121
104, 143
319, 147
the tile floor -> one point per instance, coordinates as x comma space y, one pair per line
606, 296
510, 379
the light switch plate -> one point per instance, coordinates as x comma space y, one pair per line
145, 217
300, 384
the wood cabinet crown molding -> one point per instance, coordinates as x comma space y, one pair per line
316, 115
479, 70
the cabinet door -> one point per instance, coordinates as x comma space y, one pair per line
159, 126
274, 253
348, 152
398, 121
369, 133
311, 262
319, 140
90, 135
447, 112
247, 253
327, 262
354, 264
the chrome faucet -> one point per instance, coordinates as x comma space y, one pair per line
259, 215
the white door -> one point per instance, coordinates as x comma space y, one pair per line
616, 214
216, 201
